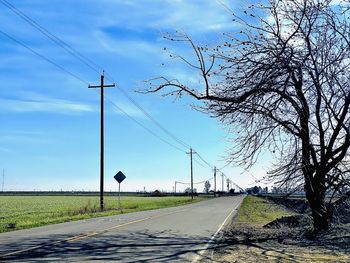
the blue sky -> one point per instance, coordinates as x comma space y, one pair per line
49, 133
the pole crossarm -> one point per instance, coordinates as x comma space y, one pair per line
99, 86
191, 158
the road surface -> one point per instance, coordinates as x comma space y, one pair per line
178, 234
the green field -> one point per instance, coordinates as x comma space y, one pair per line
19, 212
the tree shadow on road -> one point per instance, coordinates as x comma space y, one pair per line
141, 246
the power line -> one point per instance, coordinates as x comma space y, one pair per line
225, 166
204, 181
240, 188
88, 62
149, 116
43, 57
225, 6
54, 38
200, 157
143, 126
85, 82
199, 163
201, 182
92, 65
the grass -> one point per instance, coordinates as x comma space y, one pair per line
245, 240
19, 212
258, 211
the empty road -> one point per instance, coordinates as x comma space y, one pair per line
178, 234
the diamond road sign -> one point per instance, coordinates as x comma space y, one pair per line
119, 177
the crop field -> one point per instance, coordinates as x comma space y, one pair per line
19, 212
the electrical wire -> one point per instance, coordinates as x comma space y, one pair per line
201, 182
95, 67
149, 116
200, 157
143, 126
43, 57
88, 62
199, 163
224, 166
54, 38
204, 181
85, 82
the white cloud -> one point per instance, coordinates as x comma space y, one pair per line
44, 105
136, 49
129, 109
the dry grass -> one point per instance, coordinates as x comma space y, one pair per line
247, 241
258, 211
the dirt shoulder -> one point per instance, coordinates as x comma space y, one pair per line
248, 241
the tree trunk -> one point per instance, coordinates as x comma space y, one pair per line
320, 215
315, 194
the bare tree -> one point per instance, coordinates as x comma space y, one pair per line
207, 186
281, 82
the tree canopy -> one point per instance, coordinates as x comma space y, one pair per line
281, 82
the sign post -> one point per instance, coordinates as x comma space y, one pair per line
119, 177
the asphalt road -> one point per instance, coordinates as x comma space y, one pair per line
178, 234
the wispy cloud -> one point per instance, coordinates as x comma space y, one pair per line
128, 48
9, 138
196, 16
47, 104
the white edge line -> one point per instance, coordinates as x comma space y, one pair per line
200, 254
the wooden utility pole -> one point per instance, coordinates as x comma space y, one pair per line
191, 153
222, 175
3, 179
214, 181
102, 86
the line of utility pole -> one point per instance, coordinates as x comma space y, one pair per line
214, 181
3, 179
102, 86
222, 175
229, 182
191, 157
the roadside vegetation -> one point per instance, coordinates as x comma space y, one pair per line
258, 211
247, 239
19, 212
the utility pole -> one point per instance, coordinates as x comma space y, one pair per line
175, 187
3, 179
222, 175
214, 181
191, 153
102, 86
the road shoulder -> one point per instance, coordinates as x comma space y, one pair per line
250, 242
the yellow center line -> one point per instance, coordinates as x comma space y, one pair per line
83, 236
121, 225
